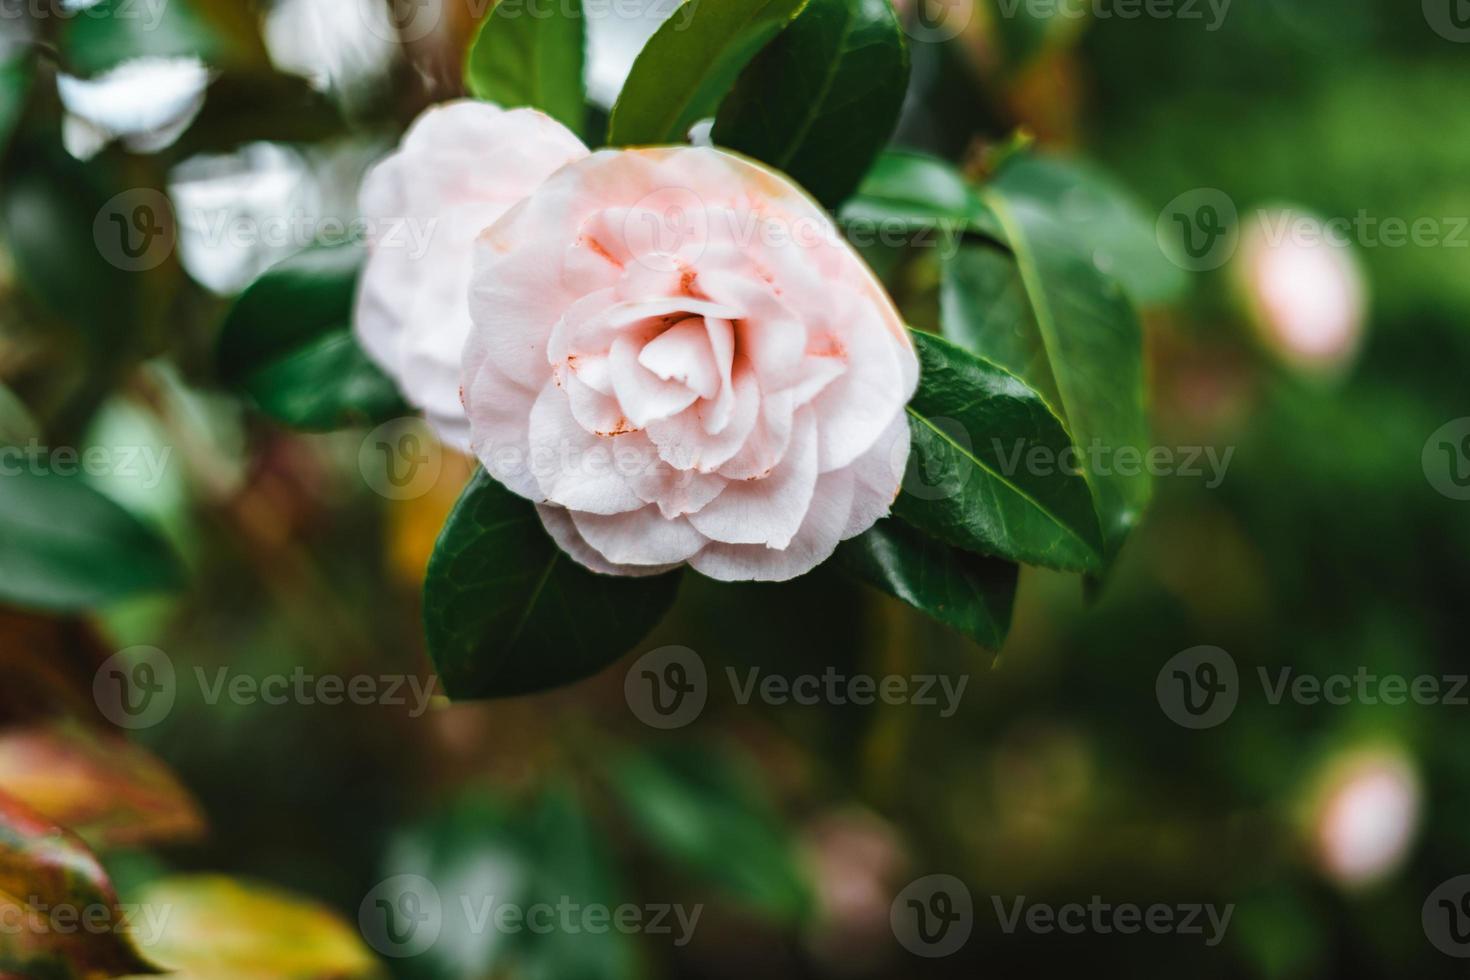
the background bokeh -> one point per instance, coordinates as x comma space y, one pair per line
1335, 543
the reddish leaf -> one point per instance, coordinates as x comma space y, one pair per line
59, 916
109, 791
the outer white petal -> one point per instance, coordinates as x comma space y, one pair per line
579, 470
814, 543
458, 169
767, 511
878, 477
558, 524
642, 537
881, 377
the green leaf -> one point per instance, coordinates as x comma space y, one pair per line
574, 861
43, 868
482, 852
706, 812
988, 467
822, 99
508, 613
1107, 225
64, 546
1074, 338
112, 32
913, 190
690, 63
16, 72
474, 845
288, 342
526, 56
969, 592
51, 205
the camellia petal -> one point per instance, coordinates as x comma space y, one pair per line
459, 168
719, 379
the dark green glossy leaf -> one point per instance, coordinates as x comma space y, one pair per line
988, 470
822, 99
508, 613
1072, 336
969, 592
288, 342
528, 55
914, 190
689, 65
248, 106
706, 812
64, 546
1106, 224
16, 71
51, 205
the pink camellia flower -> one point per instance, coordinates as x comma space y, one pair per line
461, 166
677, 357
